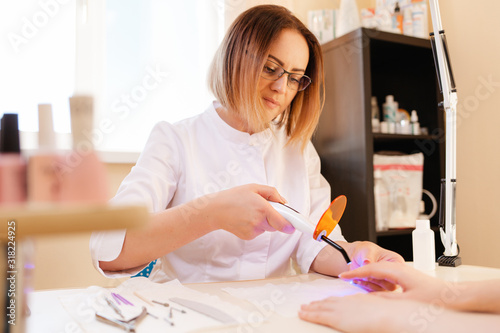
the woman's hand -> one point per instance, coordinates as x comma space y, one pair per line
415, 284
245, 211
329, 261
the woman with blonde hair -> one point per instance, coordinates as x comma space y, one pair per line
208, 179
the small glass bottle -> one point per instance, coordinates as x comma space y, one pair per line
415, 125
397, 19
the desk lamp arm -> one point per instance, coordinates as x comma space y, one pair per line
446, 80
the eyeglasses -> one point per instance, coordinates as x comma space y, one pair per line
272, 71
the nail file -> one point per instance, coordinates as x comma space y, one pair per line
205, 309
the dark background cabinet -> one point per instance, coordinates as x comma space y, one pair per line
359, 65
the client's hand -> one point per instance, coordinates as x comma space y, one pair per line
362, 313
415, 284
364, 253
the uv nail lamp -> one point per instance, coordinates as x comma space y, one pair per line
326, 224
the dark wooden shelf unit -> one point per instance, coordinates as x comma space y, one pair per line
359, 65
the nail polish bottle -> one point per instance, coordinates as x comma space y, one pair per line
84, 178
43, 177
12, 163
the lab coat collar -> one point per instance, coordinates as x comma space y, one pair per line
238, 137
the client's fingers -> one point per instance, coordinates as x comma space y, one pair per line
391, 272
375, 284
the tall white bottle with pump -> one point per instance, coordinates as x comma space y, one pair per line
424, 252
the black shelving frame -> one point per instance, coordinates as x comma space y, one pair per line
359, 65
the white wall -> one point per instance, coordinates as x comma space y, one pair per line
472, 31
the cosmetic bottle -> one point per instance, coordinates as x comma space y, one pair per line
83, 176
424, 252
12, 163
397, 18
347, 17
44, 182
419, 19
375, 116
415, 125
407, 22
390, 109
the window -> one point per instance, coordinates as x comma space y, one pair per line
157, 56
38, 66
144, 61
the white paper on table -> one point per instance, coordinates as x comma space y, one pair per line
286, 299
83, 306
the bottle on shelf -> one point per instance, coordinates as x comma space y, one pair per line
12, 163
397, 19
415, 125
424, 251
375, 115
408, 22
43, 172
390, 108
83, 176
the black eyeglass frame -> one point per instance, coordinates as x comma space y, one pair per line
303, 76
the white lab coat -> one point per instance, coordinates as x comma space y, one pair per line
202, 155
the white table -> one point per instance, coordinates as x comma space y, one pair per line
48, 315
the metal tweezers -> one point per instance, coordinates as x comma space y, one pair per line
128, 325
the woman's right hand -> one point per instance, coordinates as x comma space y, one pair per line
245, 211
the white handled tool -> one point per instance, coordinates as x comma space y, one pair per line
326, 224
299, 221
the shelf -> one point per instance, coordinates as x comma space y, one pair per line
402, 231
54, 219
394, 232
358, 66
391, 137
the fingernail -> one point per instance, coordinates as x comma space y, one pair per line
366, 262
283, 200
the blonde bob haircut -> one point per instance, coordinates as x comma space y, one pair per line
235, 72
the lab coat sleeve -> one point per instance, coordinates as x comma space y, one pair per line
320, 197
152, 182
